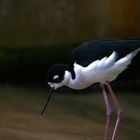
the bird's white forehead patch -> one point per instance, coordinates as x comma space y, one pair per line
55, 77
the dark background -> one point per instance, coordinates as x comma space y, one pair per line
36, 34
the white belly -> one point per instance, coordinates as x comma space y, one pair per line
82, 82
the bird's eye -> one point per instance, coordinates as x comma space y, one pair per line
55, 77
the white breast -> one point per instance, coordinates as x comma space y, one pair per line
79, 82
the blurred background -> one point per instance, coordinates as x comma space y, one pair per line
36, 34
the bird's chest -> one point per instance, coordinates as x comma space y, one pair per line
79, 82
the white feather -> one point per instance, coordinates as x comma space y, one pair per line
111, 59
98, 68
106, 69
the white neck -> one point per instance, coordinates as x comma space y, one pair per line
79, 82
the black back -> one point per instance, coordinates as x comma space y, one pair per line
90, 51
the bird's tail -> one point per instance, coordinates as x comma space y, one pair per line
135, 52
125, 61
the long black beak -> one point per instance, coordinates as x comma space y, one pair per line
50, 94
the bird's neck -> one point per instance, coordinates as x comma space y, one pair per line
76, 82
72, 72
68, 79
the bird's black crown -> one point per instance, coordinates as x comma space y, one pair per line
57, 70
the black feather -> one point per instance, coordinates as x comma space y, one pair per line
90, 51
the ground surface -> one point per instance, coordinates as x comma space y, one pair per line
68, 117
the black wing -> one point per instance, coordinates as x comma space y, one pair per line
90, 51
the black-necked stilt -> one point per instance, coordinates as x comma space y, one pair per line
99, 61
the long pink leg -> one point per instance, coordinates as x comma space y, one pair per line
108, 112
119, 111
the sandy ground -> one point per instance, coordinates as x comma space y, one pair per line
69, 117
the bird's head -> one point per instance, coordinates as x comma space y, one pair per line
57, 76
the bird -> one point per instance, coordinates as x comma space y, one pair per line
97, 61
